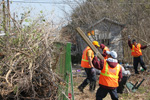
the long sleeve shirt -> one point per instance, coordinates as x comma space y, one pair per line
130, 45
102, 46
99, 65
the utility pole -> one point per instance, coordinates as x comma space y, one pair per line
4, 17
8, 10
14, 27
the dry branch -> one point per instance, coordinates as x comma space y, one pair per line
29, 56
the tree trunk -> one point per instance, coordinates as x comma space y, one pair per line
4, 17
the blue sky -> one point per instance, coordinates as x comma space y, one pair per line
50, 8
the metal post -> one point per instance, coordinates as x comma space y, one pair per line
67, 67
68, 60
72, 85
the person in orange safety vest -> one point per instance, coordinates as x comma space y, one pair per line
86, 63
110, 76
136, 52
104, 49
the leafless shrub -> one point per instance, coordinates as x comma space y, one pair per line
135, 14
26, 71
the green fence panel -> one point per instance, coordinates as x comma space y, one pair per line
67, 66
64, 70
60, 66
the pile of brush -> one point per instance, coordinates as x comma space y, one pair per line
26, 71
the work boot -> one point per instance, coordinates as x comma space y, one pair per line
80, 89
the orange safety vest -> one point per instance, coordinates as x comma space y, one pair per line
136, 51
109, 76
85, 61
105, 49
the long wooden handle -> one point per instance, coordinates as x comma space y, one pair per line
86, 39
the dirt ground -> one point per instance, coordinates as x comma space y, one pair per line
142, 93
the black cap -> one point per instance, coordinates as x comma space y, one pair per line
133, 40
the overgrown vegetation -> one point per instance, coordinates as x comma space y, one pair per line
27, 70
134, 14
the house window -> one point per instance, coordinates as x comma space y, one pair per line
106, 41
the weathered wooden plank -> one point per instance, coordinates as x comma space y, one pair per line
86, 39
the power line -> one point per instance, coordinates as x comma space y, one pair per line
72, 2
43, 2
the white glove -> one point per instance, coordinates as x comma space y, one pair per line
129, 37
148, 44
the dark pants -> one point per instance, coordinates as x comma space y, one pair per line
90, 79
102, 92
137, 60
122, 84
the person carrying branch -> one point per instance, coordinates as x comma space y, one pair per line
110, 76
104, 49
136, 52
86, 63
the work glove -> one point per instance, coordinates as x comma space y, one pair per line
92, 86
129, 37
148, 44
92, 70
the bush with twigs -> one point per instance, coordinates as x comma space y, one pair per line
26, 70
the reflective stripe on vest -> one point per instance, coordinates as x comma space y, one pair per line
109, 76
136, 51
106, 70
85, 61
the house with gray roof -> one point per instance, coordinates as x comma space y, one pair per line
106, 31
